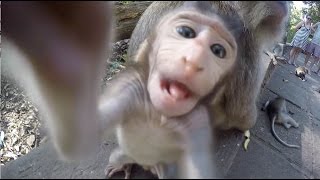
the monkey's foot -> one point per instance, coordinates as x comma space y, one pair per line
111, 169
247, 137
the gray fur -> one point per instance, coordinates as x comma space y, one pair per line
263, 25
277, 112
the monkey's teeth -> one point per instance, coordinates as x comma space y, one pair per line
175, 90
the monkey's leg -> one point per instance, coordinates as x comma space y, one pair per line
119, 161
288, 121
287, 125
280, 119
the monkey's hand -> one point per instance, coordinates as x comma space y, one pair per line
197, 160
122, 96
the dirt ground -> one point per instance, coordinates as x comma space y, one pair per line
22, 127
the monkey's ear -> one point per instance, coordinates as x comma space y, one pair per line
266, 18
143, 52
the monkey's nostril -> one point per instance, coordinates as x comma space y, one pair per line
192, 69
184, 60
199, 69
196, 67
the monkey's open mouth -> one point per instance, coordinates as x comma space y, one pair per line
175, 89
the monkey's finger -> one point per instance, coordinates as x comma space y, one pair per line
110, 170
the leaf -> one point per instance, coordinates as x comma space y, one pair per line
247, 134
245, 145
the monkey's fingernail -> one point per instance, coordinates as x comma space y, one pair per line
246, 142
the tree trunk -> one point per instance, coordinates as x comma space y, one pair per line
127, 16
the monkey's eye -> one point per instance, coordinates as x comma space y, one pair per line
186, 32
218, 50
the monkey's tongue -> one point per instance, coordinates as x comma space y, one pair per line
178, 91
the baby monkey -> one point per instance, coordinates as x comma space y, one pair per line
156, 105
277, 112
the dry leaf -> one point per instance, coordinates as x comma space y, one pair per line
246, 142
247, 134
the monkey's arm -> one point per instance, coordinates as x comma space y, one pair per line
63, 44
124, 95
198, 159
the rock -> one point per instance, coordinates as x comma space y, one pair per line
10, 155
31, 139
17, 148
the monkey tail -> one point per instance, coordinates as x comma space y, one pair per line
278, 138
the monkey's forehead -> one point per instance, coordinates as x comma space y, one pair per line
190, 14
213, 21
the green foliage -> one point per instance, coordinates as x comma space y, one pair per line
296, 14
313, 10
295, 18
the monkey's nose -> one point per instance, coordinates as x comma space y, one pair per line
191, 68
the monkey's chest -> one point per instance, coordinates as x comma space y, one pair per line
148, 144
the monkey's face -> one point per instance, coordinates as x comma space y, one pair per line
189, 55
